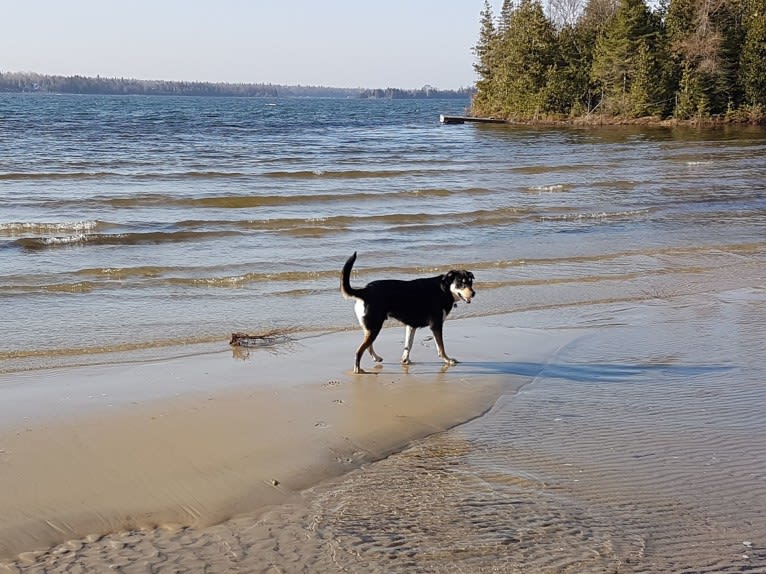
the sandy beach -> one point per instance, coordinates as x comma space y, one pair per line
613, 446
197, 440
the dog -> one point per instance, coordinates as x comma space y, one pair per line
416, 303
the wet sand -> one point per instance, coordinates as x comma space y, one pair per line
201, 439
633, 442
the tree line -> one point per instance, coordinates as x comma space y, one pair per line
424, 92
620, 60
42, 83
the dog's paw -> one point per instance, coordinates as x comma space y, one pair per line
360, 371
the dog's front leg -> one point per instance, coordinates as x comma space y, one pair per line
437, 331
409, 337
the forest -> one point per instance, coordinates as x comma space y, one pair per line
42, 83
622, 61
424, 92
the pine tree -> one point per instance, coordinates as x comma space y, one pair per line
506, 12
627, 45
753, 58
688, 58
567, 87
527, 53
484, 66
705, 38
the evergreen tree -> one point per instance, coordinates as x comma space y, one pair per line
705, 38
527, 53
626, 46
577, 46
753, 58
568, 85
506, 12
484, 65
687, 58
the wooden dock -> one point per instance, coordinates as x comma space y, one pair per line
445, 119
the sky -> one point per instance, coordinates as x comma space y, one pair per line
337, 43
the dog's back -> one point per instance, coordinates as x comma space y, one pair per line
417, 303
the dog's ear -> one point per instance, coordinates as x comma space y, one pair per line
448, 278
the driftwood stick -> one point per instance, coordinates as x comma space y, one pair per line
273, 337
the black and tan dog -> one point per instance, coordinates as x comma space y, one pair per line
417, 303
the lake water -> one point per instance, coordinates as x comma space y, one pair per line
139, 227
149, 225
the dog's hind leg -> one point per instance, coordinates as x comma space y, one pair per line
369, 338
369, 334
437, 331
409, 337
375, 357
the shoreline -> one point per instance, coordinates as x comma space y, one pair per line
599, 120
194, 441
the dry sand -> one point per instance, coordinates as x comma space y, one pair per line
197, 440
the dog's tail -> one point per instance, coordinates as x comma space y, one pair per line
345, 279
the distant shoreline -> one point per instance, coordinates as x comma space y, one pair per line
30, 82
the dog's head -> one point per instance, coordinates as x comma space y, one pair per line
460, 284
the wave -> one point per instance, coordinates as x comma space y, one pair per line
598, 215
426, 220
81, 239
96, 175
32, 176
197, 230
540, 169
491, 274
113, 273
292, 282
37, 236
247, 201
255, 277
15, 228
344, 174
134, 174
552, 188
243, 201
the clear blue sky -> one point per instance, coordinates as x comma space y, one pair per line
340, 43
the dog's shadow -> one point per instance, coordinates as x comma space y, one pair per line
588, 372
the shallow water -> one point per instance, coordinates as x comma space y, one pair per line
637, 447
141, 224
